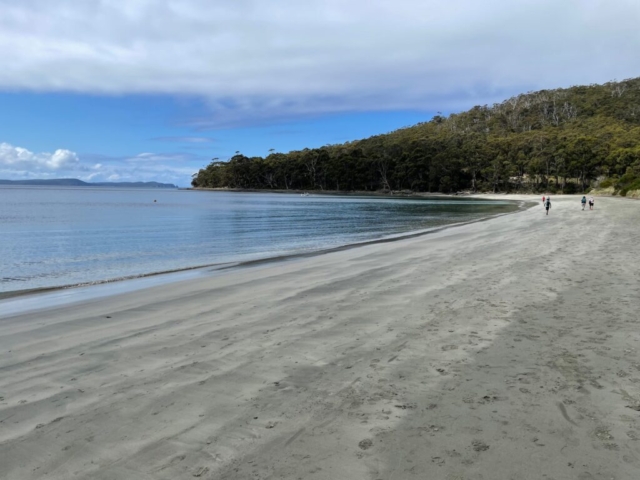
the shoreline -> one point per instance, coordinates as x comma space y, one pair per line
340, 193
402, 193
219, 267
506, 348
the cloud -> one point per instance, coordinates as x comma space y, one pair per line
174, 168
22, 159
255, 61
149, 158
18, 163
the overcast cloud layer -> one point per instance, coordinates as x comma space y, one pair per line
282, 58
257, 61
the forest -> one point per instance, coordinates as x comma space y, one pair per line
558, 141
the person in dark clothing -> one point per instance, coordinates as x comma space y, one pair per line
584, 202
547, 205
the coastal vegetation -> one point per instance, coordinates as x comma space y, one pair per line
565, 140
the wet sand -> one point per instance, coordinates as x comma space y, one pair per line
505, 349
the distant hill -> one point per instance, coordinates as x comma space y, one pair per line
566, 140
74, 182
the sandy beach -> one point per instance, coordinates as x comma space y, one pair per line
504, 349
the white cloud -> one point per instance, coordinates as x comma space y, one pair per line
257, 59
62, 159
155, 158
17, 163
20, 158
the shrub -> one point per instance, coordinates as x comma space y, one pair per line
628, 182
609, 182
630, 187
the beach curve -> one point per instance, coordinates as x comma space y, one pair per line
445, 355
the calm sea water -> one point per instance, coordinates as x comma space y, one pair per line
53, 237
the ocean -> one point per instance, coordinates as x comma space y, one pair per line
55, 237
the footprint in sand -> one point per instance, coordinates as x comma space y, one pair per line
365, 444
479, 446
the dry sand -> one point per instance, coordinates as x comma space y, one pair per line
506, 349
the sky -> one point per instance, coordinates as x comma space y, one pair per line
142, 90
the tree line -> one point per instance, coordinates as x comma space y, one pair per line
564, 140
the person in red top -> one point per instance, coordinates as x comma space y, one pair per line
543, 198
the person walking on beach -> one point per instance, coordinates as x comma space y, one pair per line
547, 205
543, 197
584, 202
591, 202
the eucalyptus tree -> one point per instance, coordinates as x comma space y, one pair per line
571, 136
